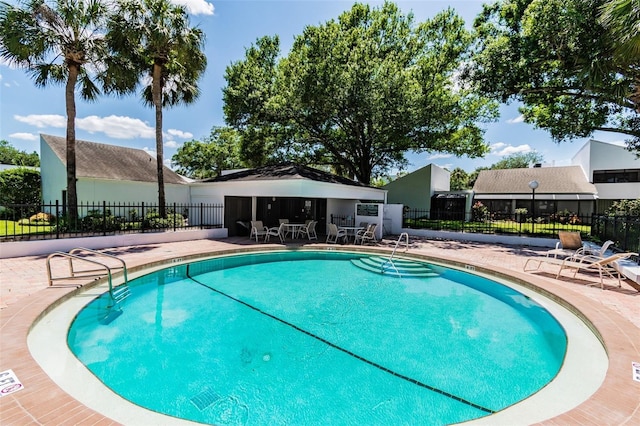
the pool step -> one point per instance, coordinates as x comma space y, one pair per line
120, 293
403, 267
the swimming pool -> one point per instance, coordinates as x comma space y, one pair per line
306, 337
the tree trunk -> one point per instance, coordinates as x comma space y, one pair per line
157, 102
72, 194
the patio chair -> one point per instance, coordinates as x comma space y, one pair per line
597, 251
334, 234
286, 230
570, 244
368, 235
276, 231
585, 263
310, 230
257, 230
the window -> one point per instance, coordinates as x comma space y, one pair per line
616, 176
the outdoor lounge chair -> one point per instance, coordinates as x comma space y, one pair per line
585, 263
334, 234
276, 231
257, 230
570, 244
595, 250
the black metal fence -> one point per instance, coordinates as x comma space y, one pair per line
49, 221
624, 231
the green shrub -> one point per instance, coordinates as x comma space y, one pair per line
153, 221
624, 208
480, 212
96, 220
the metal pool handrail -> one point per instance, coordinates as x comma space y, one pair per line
123, 267
90, 273
393, 253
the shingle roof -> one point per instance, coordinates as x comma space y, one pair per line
100, 161
284, 171
552, 180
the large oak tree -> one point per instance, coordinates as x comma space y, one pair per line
562, 59
358, 93
208, 158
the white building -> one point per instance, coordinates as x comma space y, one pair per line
613, 170
106, 173
125, 175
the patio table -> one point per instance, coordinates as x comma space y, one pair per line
351, 230
294, 228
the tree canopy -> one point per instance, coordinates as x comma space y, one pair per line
358, 92
207, 159
20, 186
58, 42
154, 44
562, 59
11, 155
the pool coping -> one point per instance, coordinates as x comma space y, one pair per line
617, 401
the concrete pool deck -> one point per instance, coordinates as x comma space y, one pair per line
614, 313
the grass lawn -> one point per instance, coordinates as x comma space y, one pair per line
10, 228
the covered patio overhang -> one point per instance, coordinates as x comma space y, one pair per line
294, 199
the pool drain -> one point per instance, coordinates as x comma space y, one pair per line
205, 399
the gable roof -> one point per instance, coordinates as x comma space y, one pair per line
284, 171
552, 180
101, 161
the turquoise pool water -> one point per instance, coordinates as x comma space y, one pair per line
309, 338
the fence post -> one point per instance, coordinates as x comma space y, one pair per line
57, 220
104, 218
201, 216
142, 219
174, 216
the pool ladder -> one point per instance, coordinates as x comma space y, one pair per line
117, 294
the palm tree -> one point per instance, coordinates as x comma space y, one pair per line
58, 42
164, 53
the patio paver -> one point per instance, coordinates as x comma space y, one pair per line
615, 313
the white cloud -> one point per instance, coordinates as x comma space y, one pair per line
179, 134
151, 152
44, 120
113, 126
502, 149
448, 166
116, 127
438, 156
518, 119
196, 7
24, 136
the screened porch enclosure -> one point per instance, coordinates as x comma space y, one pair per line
238, 212
270, 209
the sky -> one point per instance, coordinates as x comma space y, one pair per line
232, 26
